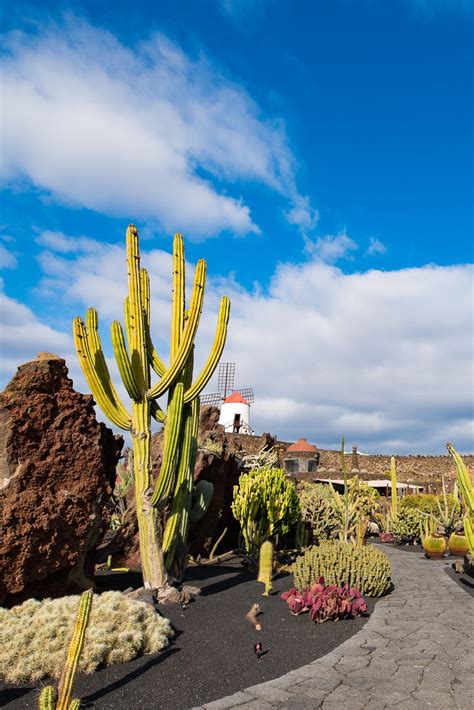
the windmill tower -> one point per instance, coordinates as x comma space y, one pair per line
234, 403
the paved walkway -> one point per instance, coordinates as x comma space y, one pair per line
414, 653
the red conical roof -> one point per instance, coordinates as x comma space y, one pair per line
301, 445
236, 398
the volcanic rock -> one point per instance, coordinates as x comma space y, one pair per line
57, 471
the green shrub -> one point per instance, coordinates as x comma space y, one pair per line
406, 526
425, 502
364, 567
364, 497
36, 635
317, 509
265, 504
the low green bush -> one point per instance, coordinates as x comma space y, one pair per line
362, 567
317, 509
408, 524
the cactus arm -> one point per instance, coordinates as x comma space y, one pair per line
215, 353
75, 705
47, 698
136, 329
178, 295
156, 412
204, 492
188, 334
74, 652
463, 479
153, 358
123, 362
393, 481
114, 410
170, 446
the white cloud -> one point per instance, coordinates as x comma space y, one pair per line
376, 247
144, 132
331, 248
7, 259
59, 242
23, 335
383, 357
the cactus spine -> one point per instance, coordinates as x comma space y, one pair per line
393, 481
136, 357
265, 566
466, 490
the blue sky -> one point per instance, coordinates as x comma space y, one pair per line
294, 143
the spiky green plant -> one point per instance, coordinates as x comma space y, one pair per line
317, 509
364, 568
466, 490
265, 566
36, 634
136, 357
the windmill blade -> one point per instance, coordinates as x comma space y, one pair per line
225, 378
213, 399
247, 394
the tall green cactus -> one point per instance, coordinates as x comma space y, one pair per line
136, 357
393, 482
466, 490
49, 698
74, 651
265, 566
346, 493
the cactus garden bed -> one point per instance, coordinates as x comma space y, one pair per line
212, 654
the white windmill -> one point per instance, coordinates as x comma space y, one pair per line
234, 403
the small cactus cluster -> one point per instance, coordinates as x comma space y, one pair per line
408, 525
265, 504
36, 634
340, 563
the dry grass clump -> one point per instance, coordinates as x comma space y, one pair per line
35, 635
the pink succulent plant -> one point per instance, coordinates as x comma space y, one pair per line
325, 602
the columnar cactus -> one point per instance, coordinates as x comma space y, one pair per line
136, 357
265, 566
393, 481
47, 698
466, 489
74, 651
50, 699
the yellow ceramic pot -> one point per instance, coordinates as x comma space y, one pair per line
458, 544
434, 546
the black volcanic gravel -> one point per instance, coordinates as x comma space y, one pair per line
212, 654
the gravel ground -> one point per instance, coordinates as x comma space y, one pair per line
213, 652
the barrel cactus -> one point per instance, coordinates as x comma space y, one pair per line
364, 568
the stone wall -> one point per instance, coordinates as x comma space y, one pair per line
417, 469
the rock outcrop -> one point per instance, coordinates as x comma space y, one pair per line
57, 470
